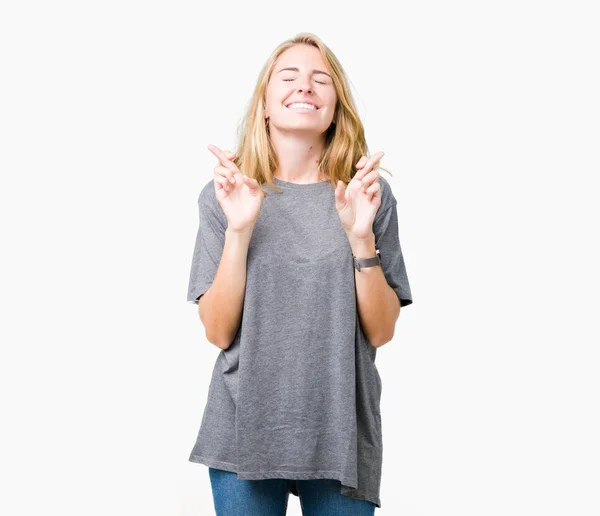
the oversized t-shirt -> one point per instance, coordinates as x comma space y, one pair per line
297, 393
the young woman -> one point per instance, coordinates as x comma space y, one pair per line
299, 276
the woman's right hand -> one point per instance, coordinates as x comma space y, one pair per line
241, 200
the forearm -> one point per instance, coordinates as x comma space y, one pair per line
222, 304
377, 303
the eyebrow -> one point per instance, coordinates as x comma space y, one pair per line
294, 69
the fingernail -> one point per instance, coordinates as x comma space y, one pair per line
232, 179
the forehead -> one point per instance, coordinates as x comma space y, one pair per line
301, 55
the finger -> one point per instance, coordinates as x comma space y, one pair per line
371, 162
231, 156
369, 178
222, 182
361, 173
340, 195
361, 162
373, 191
251, 183
225, 161
221, 170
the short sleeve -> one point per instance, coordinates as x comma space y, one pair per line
210, 240
387, 240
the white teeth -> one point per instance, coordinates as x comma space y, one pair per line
299, 105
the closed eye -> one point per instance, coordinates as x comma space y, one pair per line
294, 79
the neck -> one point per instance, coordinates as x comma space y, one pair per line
298, 155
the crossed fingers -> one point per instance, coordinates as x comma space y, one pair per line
366, 175
225, 171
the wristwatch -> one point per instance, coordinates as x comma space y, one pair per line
359, 263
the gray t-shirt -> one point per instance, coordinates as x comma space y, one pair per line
297, 394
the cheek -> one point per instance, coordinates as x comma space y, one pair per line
331, 102
276, 95
331, 98
270, 94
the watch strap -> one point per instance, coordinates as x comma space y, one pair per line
360, 263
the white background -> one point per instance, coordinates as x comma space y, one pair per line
488, 113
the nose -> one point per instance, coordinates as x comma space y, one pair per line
306, 87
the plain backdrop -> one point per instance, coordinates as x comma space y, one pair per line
488, 113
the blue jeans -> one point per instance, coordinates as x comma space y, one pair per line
269, 497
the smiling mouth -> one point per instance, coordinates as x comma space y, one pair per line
315, 108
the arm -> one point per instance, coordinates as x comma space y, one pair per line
378, 303
220, 307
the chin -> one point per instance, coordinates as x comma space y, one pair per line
299, 126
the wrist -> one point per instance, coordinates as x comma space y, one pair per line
363, 247
239, 235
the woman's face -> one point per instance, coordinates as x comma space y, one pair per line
300, 75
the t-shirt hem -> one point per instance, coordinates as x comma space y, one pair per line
376, 501
213, 463
262, 475
295, 475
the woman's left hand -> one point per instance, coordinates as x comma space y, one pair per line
357, 204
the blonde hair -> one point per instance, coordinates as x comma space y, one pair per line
344, 140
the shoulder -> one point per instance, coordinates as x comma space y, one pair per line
387, 195
207, 199
207, 194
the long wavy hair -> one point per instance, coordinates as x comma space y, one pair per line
345, 140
